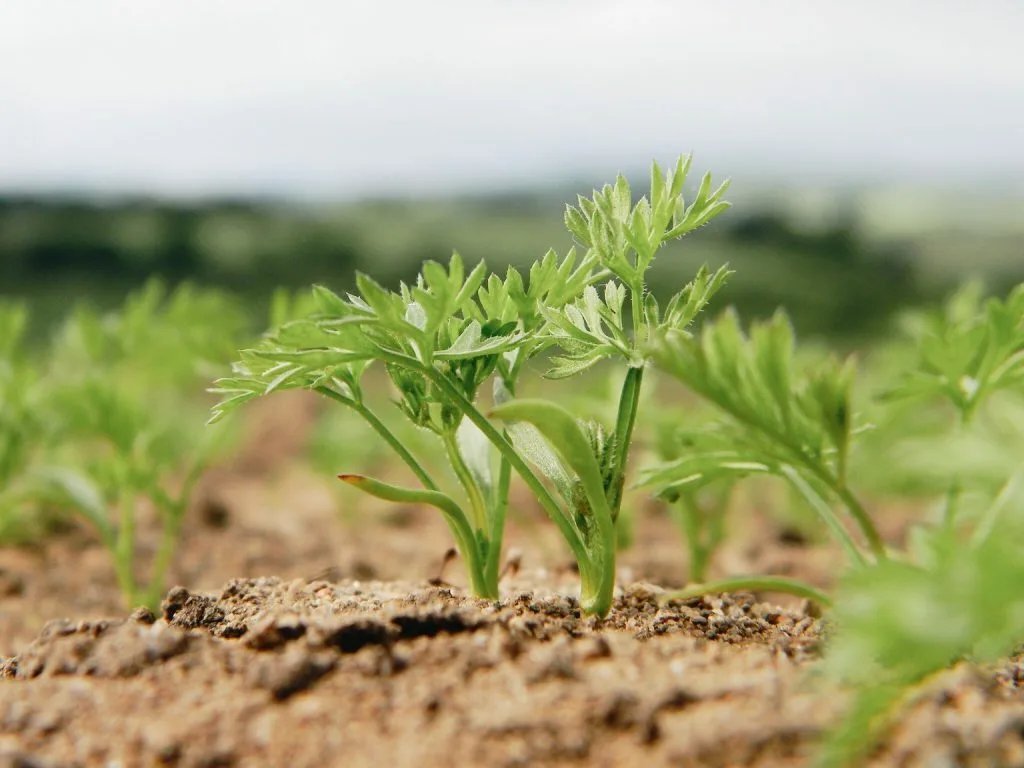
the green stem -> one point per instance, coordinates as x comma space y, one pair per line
754, 584
688, 517
952, 505
124, 550
629, 401
826, 513
505, 448
860, 515
469, 485
636, 297
990, 517
381, 429
499, 510
169, 536
465, 539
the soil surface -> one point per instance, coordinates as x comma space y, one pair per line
297, 643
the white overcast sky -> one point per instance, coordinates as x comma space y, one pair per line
339, 98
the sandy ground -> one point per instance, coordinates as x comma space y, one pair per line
314, 632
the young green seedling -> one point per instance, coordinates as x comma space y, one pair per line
955, 593
967, 352
125, 434
439, 340
22, 435
443, 338
899, 619
778, 419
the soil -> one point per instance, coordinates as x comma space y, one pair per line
361, 649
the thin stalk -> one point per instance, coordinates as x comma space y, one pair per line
636, 296
688, 516
381, 429
124, 549
952, 505
629, 401
827, 515
499, 510
172, 513
172, 518
465, 539
863, 520
990, 518
753, 584
478, 507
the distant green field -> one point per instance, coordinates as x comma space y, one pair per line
841, 261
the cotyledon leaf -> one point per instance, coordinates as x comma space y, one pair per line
452, 512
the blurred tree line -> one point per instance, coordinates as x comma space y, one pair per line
832, 278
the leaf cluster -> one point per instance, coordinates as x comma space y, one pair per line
466, 326
101, 421
776, 412
897, 624
968, 350
626, 236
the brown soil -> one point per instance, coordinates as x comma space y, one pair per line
333, 661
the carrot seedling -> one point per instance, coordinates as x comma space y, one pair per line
444, 338
125, 437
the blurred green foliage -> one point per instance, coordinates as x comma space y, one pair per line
836, 274
106, 419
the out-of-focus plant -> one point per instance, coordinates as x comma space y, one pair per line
22, 432
967, 354
777, 416
901, 622
127, 431
899, 617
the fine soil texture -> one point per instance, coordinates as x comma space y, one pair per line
309, 637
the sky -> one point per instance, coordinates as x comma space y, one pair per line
333, 98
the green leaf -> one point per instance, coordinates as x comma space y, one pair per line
452, 512
81, 492
471, 343
476, 451
565, 435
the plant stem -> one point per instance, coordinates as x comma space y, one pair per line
753, 584
465, 539
688, 517
636, 296
990, 517
468, 482
867, 527
172, 519
952, 506
124, 549
629, 401
499, 510
854, 506
381, 429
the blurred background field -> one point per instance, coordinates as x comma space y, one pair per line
842, 261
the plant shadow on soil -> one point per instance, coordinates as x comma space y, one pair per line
334, 662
